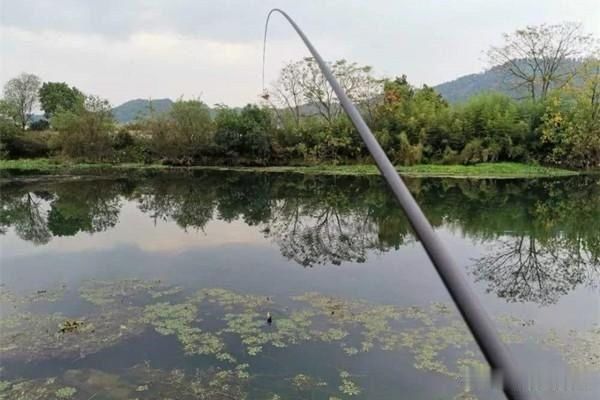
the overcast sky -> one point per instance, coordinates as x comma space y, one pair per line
125, 49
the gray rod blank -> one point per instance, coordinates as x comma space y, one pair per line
481, 326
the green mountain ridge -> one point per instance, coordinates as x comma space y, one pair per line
464, 87
454, 91
140, 108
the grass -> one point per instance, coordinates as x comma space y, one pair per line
484, 170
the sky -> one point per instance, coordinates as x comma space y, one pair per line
122, 50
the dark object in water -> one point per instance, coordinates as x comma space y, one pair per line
70, 326
269, 318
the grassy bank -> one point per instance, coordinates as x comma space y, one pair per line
484, 170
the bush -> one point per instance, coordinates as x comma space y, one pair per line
8, 131
472, 153
407, 153
122, 139
17, 144
450, 156
181, 135
244, 134
84, 133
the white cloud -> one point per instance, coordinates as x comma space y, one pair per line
151, 48
145, 64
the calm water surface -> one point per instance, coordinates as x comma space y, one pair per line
160, 287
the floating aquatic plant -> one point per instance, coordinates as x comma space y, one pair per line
155, 294
229, 299
37, 336
306, 383
34, 389
41, 295
435, 336
348, 386
109, 292
65, 392
179, 320
581, 349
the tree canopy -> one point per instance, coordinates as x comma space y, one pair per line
58, 96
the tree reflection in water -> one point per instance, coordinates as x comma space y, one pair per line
540, 235
524, 269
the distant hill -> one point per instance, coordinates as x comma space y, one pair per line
455, 91
139, 108
460, 89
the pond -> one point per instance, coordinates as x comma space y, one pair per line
223, 285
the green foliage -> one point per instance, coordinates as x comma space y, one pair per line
246, 133
58, 96
571, 122
123, 139
412, 123
8, 132
492, 129
305, 125
182, 134
84, 132
16, 144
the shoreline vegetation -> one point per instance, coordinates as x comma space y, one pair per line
549, 121
500, 170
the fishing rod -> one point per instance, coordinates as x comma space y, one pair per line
481, 326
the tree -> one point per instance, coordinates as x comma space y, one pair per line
22, 94
56, 96
246, 133
571, 123
192, 122
539, 58
288, 90
492, 129
183, 133
8, 130
408, 118
84, 132
301, 84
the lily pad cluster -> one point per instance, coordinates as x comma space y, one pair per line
230, 326
139, 382
8, 297
581, 349
29, 336
103, 293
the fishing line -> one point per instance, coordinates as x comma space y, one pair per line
503, 367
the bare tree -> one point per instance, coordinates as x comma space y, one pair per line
539, 58
22, 94
288, 91
302, 88
317, 91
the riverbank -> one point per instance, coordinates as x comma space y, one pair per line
482, 171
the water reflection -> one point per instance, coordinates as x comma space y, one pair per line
539, 236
